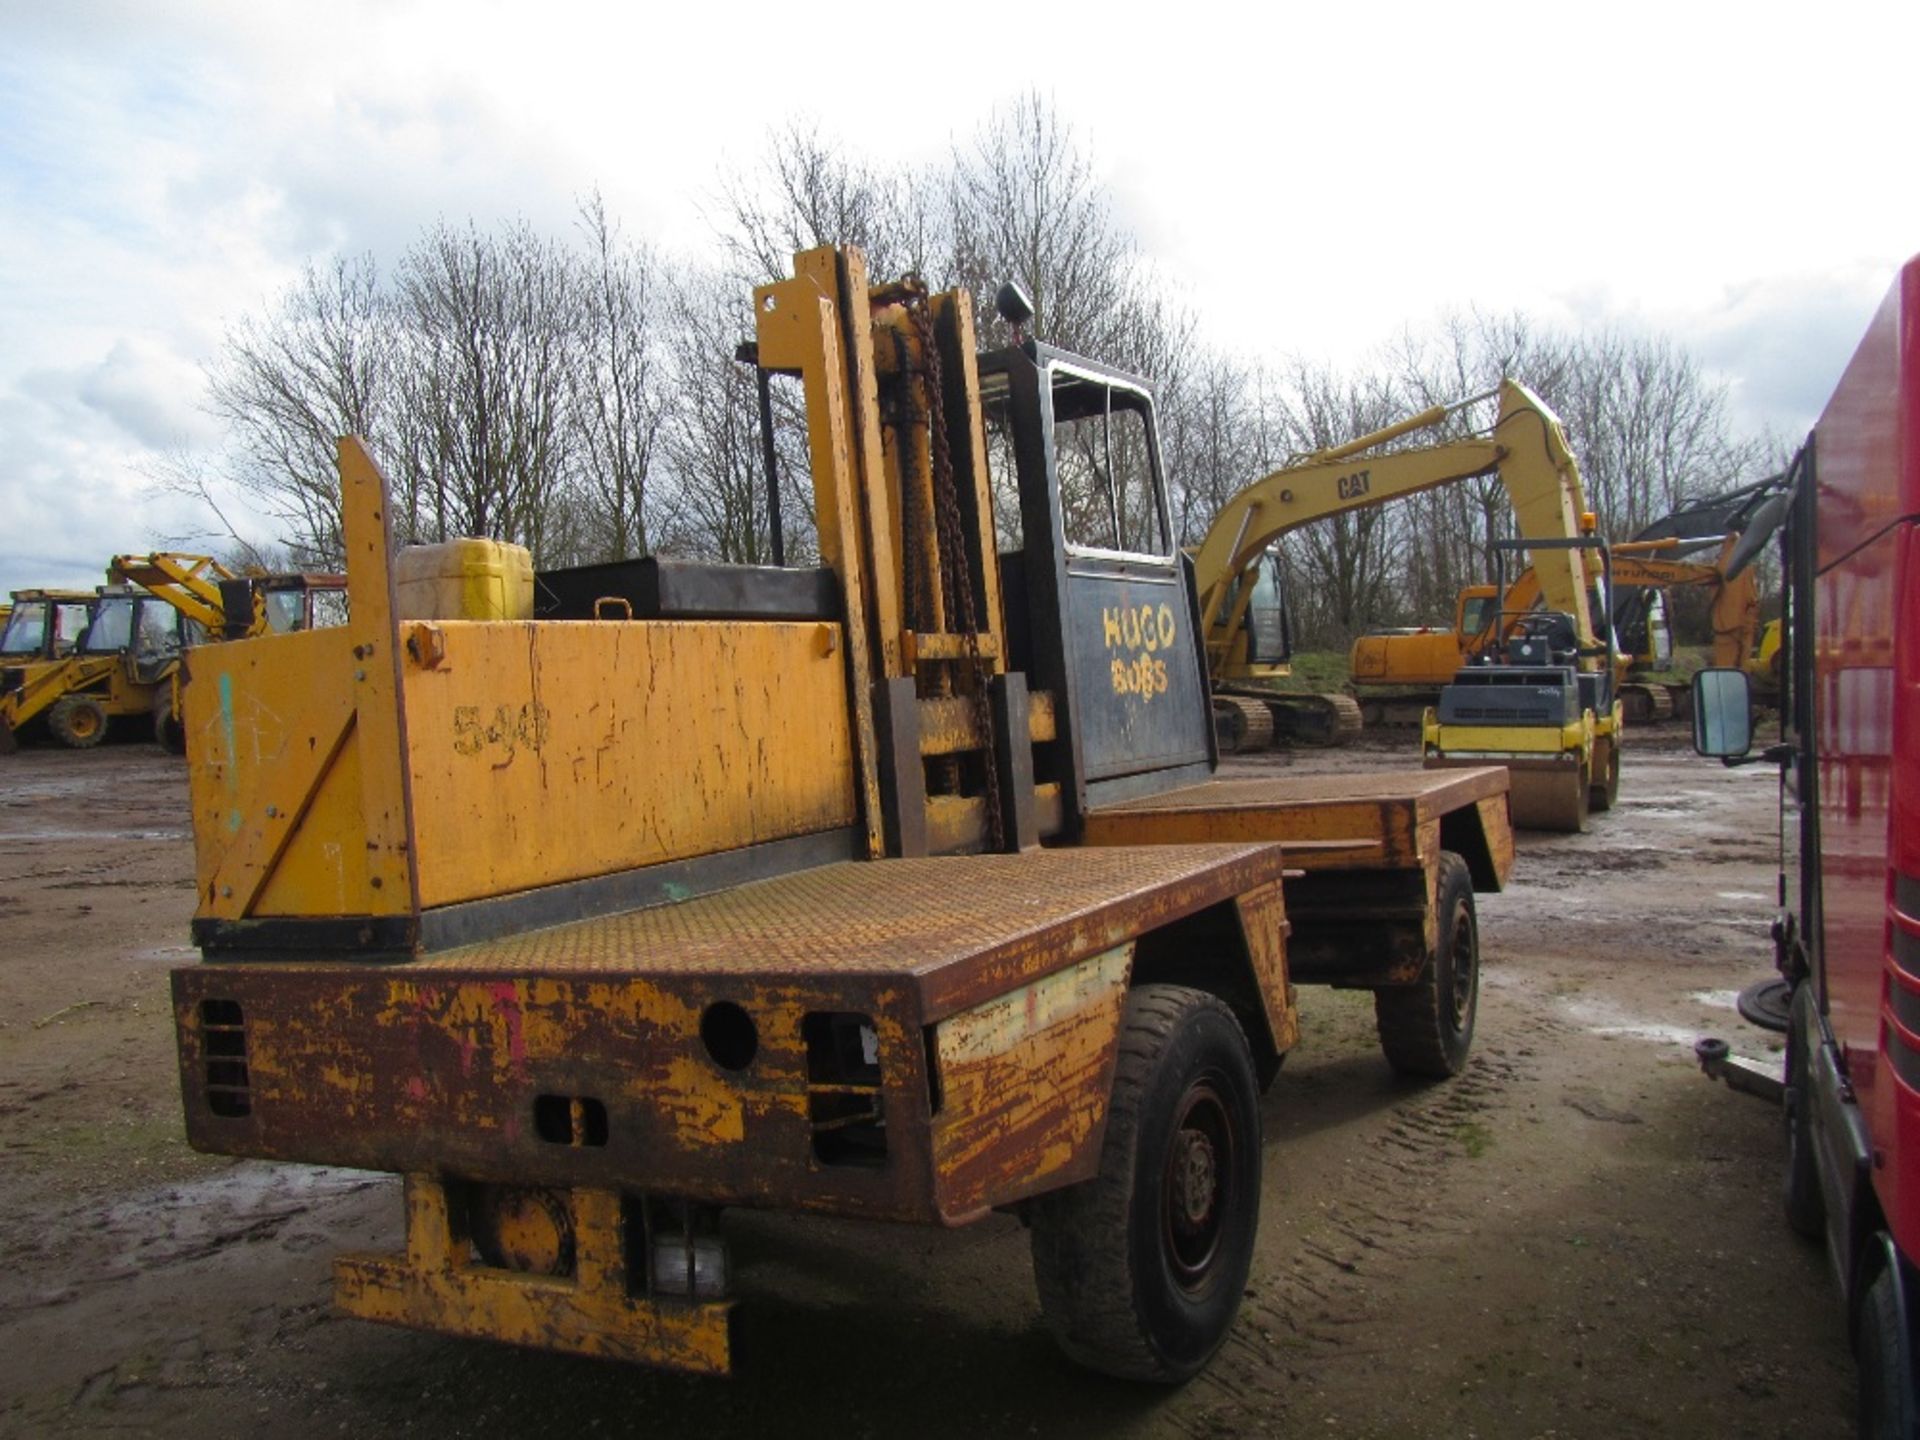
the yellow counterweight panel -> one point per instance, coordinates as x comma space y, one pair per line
536, 753
552, 751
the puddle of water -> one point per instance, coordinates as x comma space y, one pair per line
1600, 1018
1741, 895
1718, 999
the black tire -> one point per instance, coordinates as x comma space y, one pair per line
1885, 1361
168, 733
78, 722
1426, 1028
1138, 1279
1601, 796
1800, 1193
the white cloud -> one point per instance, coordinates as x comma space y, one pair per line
1310, 179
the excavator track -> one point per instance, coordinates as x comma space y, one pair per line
1243, 725
1318, 720
1642, 704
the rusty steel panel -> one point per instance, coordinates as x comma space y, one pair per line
538, 750
1495, 824
391, 1068
437, 1286
1024, 1081
1264, 926
274, 780
441, 1063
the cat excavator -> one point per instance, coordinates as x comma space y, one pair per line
1243, 613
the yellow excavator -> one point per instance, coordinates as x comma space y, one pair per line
1242, 617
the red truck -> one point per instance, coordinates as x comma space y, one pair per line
1848, 931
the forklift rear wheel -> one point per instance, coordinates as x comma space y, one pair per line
79, 722
1426, 1028
1141, 1269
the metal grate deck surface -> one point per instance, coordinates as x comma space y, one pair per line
905, 918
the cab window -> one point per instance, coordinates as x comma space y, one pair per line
1110, 494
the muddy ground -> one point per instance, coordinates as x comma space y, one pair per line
1578, 1237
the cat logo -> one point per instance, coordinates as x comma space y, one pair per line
1352, 487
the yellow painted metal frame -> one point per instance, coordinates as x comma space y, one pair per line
466, 760
438, 1285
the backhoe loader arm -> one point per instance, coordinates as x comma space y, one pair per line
1527, 449
189, 583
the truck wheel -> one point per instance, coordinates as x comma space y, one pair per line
1800, 1187
1426, 1028
79, 722
1885, 1361
1140, 1269
1602, 795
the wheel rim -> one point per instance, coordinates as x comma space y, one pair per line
1196, 1193
1461, 953
84, 721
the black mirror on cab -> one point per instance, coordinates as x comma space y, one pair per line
1722, 713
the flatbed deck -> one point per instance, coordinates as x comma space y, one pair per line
1385, 820
693, 1048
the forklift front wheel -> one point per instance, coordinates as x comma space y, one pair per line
1141, 1268
1426, 1028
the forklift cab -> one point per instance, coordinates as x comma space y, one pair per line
1102, 608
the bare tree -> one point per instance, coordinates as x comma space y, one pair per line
710, 437
289, 383
1026, 206
495, 329
806, 192
622, 395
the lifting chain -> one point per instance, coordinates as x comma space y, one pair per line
956, 575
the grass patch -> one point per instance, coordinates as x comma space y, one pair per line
1474, 1138
1315, 671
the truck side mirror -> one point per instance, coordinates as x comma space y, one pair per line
1722, 713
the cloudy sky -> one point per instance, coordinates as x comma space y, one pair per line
1740, 176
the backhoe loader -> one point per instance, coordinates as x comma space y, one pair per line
901, 888
1233, 569
122, 662
127, 661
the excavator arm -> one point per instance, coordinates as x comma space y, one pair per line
1527, 449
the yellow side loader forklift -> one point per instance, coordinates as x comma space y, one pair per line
901, 888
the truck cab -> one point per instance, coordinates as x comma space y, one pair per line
1847, 928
